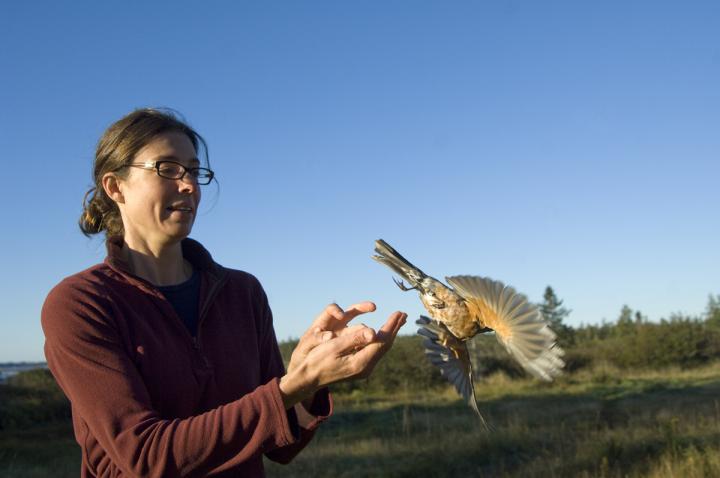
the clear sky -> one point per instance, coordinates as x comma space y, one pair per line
565, 143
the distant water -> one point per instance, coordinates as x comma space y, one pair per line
7, 370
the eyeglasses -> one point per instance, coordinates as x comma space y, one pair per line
173, 170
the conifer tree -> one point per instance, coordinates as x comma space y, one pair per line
712, 311
712, 323
626, 325
553, 311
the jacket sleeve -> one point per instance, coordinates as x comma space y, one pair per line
321, 407
86, 355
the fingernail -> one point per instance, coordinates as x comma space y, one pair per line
368, 335
326, 336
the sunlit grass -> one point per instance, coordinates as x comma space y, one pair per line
598, 422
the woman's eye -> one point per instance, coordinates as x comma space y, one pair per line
170, 169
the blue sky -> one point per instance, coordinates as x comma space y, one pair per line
571, 144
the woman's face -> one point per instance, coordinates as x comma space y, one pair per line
158, 211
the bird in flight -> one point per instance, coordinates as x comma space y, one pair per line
470, 306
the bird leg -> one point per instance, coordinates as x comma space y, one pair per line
445, 341
402, 285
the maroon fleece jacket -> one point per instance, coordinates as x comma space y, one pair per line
147, 398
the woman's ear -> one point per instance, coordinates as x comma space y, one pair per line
113, 187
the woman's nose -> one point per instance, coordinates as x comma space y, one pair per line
188, 184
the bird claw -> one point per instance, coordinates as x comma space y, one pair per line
402, 285
445, 341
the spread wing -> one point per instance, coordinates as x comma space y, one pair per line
452, 359
517, 323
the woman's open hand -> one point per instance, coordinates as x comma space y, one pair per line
330, 351
330, 323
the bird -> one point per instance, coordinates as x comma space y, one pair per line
470, 305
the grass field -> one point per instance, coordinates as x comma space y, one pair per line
39, 452
602, 423
599, 423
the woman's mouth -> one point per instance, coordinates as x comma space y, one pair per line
180, 208
181, 212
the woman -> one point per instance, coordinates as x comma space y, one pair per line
170, 360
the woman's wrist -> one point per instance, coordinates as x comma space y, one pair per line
295, 387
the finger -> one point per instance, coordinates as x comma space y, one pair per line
350, 329
311, 339
390, 329
351, 341
357, 309
313, 330
384, 339
395, 321
364, 360
338, 322
332, 313
367, 358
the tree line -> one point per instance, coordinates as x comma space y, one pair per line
630, 342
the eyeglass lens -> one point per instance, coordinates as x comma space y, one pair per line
173, 170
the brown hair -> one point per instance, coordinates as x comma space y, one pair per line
117, 147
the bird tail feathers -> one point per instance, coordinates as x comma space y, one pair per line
395, 261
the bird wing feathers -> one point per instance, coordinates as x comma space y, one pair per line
452, 359
517, 323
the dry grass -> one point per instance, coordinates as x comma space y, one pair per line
39, 452
602, 422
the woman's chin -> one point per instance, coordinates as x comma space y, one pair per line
179, 231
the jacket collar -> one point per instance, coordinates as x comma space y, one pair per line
192, 251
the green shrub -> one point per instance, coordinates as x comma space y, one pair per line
32, 398
405, 367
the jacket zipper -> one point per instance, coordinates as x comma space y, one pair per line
203, 313
195, 340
